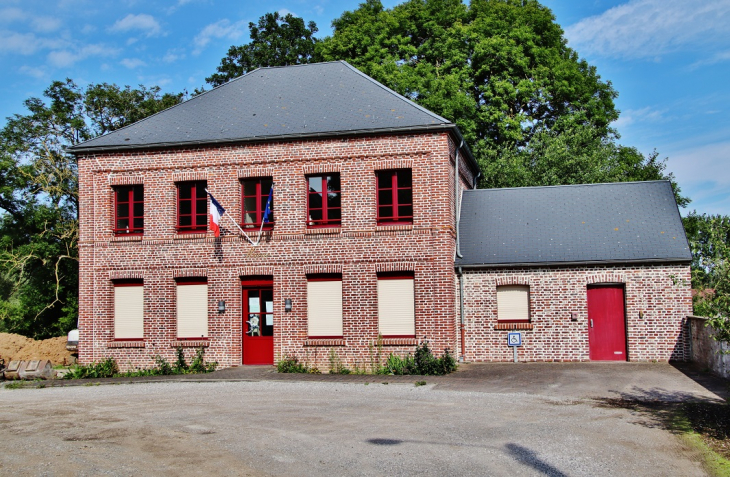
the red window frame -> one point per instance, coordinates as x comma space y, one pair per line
260, 205
125, 196
197, 196
324, 209
389, 190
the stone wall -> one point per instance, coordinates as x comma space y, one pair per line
705, 351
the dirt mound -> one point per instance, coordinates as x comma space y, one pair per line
14, 347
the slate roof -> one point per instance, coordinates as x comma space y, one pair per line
618, 222
315, 100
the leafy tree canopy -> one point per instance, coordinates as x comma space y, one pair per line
39, 197
533, 112
275, 41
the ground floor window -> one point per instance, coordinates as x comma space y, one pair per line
396, 305
324, 306
513, 303
128, 310
192, 309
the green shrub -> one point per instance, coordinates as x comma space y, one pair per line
336, 365
106, 368
290, 365
423, 363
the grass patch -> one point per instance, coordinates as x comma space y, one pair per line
14, 385
704, 427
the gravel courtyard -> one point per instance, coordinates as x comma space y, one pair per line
321, 428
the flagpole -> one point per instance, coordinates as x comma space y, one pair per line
268, 204
233, 220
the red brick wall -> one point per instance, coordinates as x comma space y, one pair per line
661, 292
358, 249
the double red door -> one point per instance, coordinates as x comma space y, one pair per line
606, 323
258, 324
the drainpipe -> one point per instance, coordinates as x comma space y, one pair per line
476, 180
456, 197
461, 314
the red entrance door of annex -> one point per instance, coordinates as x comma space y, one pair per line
258, 323
606, 323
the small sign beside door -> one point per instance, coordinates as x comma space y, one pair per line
514, 339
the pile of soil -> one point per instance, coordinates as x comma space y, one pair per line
14, 347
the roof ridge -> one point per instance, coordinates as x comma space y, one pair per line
77, 146
568, 185
398, 95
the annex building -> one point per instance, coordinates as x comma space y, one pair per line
373, 229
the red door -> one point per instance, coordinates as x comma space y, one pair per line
606, 323
258, 324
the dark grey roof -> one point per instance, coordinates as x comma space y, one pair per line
315, 100
619, 222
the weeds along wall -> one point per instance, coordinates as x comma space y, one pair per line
358, 250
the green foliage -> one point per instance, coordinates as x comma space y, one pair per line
531, 110
39, 198
292, 365
336, 364
106, 368
275, 41
709, 240
14, 385
422, 363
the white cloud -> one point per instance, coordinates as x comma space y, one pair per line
9, 15
88, 29
35, 72
66, 58
46, 24
700, 163
651, 28
172, 56
643, 115
22, 43
285, 11
718, 57
132, 63
220, 29
142, 22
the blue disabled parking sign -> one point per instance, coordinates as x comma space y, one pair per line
514, 339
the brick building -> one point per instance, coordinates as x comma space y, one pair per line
361, 240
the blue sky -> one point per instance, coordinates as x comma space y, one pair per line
668, 59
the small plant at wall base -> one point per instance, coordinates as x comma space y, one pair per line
108, 368
336, 365
291, 364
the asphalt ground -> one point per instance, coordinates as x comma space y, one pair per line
492, 419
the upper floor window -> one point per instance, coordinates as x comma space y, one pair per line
395, 196
255, 195
129, 210
324, 205
192, 207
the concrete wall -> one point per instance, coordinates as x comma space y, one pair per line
705, 351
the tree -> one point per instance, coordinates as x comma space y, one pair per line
533, 112
275, 41
709, 240
39, 198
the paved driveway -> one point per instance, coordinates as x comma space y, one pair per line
485, 420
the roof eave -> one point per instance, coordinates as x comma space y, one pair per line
79, 149
576, 263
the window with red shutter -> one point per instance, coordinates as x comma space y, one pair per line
395, 197
129, 210
192, 207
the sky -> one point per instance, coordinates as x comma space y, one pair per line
668, 59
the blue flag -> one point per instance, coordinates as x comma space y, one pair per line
267, 212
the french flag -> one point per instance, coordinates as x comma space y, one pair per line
216, 212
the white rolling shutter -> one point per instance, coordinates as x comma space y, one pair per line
396, 307
129, 312
513, 302
324, 308
192, 311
